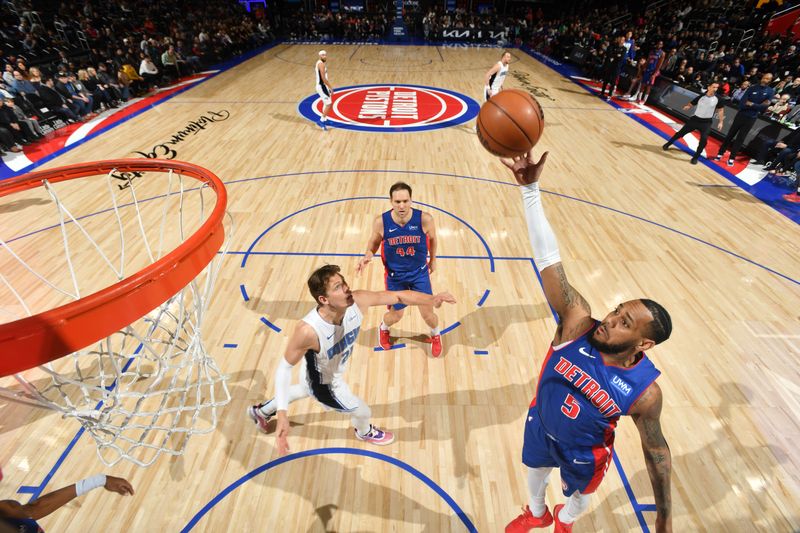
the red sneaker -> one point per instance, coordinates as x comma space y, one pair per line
561, 527
436, 345
526, 521
383, 339
794, 198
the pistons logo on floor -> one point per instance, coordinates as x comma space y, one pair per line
393, 108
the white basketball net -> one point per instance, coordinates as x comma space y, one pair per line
147, 388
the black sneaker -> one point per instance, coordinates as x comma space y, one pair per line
694, 161
665, 147
730, 162
718, 158
768, 165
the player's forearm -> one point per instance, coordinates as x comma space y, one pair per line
414, 298
659, 468
50, 502
543, 240
432, 247
283, 380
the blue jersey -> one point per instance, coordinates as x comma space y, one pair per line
653, 59
404, 250
580, 398
22, 525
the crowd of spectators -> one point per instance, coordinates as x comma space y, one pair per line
67, 65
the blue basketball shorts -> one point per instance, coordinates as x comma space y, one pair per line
582, 467
419, 280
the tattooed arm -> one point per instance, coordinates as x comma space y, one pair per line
646, 412
573, 310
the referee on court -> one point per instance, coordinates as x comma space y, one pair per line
706, 104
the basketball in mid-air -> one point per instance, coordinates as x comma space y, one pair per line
510, 123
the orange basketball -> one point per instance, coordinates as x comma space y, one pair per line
510, 123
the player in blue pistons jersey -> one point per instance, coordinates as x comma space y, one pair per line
594, 372
407, 237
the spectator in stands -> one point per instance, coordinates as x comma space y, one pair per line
78, 105
121, 92
31, 126
8, 76
149, 71
9, 121
56, 102
778, 155
169, 60
81, 92
793, 89
101, 96
737, 94
755, 100
780, 108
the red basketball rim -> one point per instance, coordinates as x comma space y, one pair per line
41, 338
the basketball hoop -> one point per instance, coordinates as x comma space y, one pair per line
121, 350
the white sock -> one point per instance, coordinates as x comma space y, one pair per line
576, 504
384, 327
324, 119
537, 486
434, 331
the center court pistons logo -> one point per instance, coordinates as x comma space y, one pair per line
393, 108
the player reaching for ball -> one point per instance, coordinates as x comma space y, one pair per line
594, 372
324, 340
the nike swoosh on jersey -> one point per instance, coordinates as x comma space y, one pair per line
581, 462
392, 229
584, 352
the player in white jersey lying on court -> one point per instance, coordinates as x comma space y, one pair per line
325, 338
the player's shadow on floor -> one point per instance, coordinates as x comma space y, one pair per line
727, 193
19, 205
673, 153
247, 387
294, 119
579, 92
474, 331
283, 311
699, 464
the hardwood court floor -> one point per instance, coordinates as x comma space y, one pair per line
632, 221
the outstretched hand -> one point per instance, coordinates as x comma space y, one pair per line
118, 485
525, 169
282, 431
362, 265
442, 297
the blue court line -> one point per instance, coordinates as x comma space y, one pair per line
329, 202
220, 68
36, 491
270, 324
230, 345
481, 352
341, 254
646, 507
234, 102
450, 328
631, 496
718, 185
394, 347
333, 451
244, 292
776, 203
618, 211
637, 507
485, 295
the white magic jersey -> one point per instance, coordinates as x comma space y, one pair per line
316, 72
497, 79
336, 344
